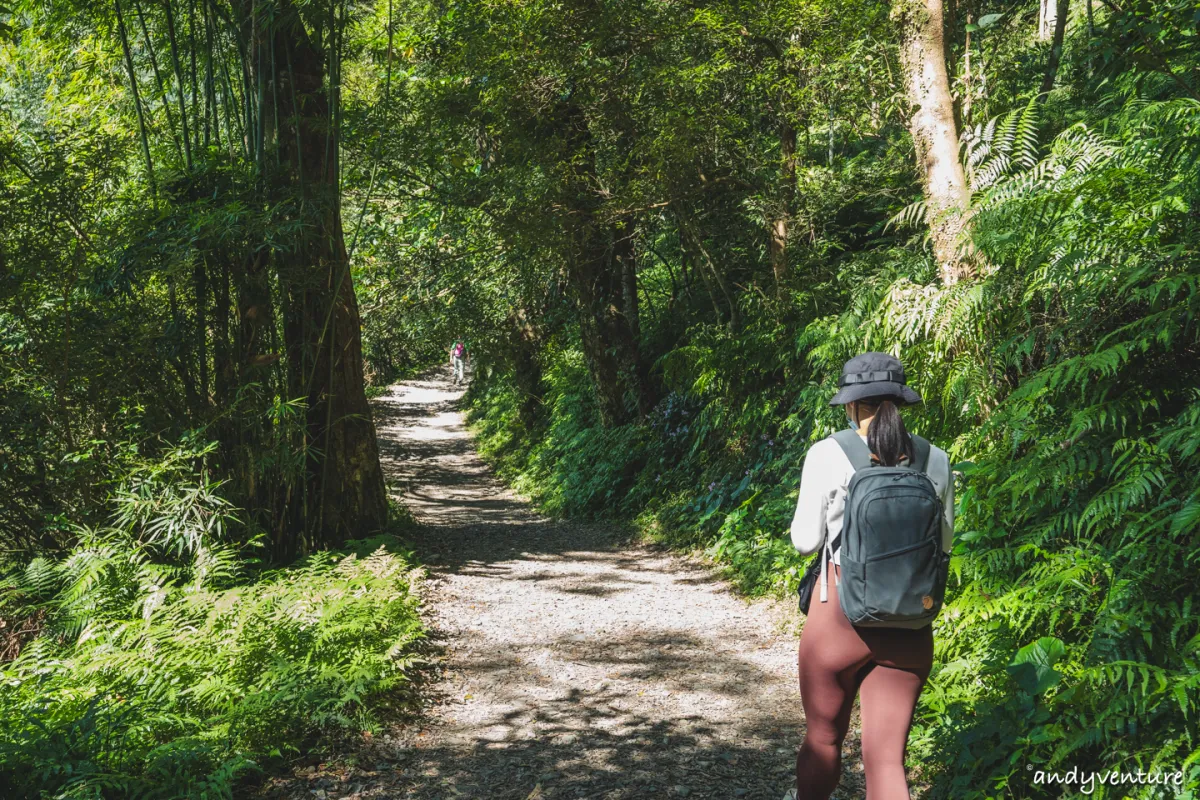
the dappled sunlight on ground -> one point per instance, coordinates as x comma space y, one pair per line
576, 664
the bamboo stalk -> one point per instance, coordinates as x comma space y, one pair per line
200, 276
244, 102
196, 124
183, 115
211, 126
274, 132
230, 101
162, 92
234, 101
137, 101
260, 88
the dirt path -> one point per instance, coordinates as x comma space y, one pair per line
577, 665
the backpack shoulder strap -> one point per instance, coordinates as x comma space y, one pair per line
854, 448
920, 453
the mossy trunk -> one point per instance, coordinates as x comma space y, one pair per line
934, 133
344, 492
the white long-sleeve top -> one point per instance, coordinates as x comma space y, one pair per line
822, 501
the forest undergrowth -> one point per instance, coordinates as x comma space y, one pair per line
161, 657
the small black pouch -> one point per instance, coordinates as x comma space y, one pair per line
808, 581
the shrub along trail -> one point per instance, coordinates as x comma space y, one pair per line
576, 664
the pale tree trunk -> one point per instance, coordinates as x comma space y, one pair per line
777, 228
1062, 8
935, 136
1047, 19
625, 252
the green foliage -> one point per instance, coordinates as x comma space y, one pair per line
1063, 382
165, 668
692, 214
578, 467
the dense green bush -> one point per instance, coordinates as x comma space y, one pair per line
166, 666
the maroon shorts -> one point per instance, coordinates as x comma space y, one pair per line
887, 667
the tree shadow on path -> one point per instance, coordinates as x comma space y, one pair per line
574, 663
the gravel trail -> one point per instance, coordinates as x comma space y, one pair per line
575, 663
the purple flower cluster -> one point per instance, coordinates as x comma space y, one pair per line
670, 416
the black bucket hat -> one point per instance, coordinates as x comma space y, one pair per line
873, 375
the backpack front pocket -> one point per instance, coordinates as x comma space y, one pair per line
903, 584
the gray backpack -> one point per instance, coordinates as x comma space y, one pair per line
893, 568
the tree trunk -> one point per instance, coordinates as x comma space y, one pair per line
524, 350
1047, 19
625, 252
1062, 8
610, 345
829, 152
345, 493
252, 361
777, 228
200, 281
595, 328
527, 372
922, 56
600, 267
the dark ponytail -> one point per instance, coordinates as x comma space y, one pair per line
887, 437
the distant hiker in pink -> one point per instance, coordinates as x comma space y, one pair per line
458, 359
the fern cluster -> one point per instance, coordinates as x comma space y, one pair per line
1077, 426
168, 667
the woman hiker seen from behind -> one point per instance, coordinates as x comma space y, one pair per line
879, 503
